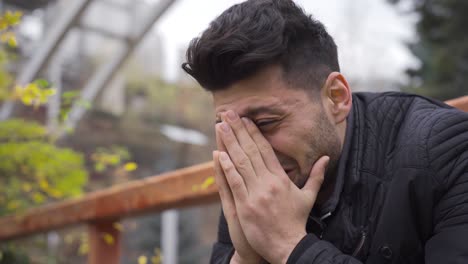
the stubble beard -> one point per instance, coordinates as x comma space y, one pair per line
323, 140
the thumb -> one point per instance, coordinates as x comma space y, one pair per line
317, 174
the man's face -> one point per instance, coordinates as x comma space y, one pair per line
296, 125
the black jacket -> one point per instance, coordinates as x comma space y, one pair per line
402, 188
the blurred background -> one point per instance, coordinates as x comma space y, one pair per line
92, 95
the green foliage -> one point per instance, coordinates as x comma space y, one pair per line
33, 170
7, 21
5, 78
34, 94
10, 254
20, 130
442, 48
105, 158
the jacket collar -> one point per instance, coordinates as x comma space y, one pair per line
328, 207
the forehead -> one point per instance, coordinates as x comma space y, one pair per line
265, 90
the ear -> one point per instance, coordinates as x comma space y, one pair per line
337, 95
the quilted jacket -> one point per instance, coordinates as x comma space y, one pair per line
401, 194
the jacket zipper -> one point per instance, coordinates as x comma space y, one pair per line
321, 223
361, 243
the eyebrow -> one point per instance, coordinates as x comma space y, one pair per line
255, 111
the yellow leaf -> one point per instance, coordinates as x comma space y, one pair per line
9, 38
38, 198
130, 166
49, 92
26, 187
55, 193
12, 18
18, 91
142, 260
84, 248
4, 36
32, 94
3, 24
118, 226
12, 205
27, 99
157, 258
12, 42
43, 184
208, 182
32, 88
108, 238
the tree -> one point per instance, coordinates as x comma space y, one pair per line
32, 169
442, 48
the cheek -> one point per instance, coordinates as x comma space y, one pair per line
275, 139
285, 143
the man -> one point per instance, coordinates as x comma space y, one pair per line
308, 172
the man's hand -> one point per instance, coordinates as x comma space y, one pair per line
244, 253
271, 209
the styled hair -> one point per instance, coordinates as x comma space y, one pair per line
255, 34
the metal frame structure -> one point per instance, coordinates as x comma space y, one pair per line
42, 57
103, 75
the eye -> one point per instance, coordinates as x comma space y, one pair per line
265, 122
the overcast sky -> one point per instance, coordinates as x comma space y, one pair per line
369, 33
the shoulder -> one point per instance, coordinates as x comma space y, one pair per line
447, 144
407, 103
419, 132
413, 114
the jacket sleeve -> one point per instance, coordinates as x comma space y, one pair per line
222, 249
448, 156
309, 250
312, 250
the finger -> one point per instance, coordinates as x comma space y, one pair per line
219, 141
315, 180
264, 147
227, 200
241, 161
246, 142
234, 179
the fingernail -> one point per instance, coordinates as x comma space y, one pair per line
225, 127
245, 120
231, 115
223, 156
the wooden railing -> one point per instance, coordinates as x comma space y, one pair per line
100, 210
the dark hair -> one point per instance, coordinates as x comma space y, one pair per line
255, 34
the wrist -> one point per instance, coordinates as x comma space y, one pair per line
287, 248
238, 259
